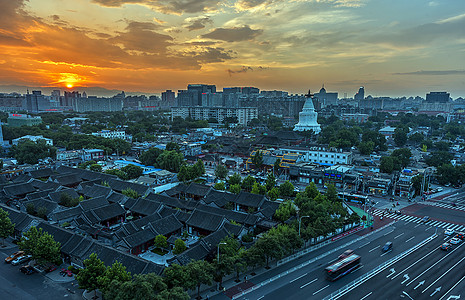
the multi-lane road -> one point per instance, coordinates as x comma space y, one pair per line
309, 282
428, 273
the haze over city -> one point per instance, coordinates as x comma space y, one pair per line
392, 48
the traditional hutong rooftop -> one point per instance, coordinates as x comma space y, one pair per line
117, 227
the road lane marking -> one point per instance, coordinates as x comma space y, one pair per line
410, 239
443, 274
428, 228
261, 297
320, 290
309, 283
444, 257
399, 235
388, 232
374, 248
406, 278
366, 295
365, 245
392, 270
452, 288
386, 252
417, 225
298, 277
412, 264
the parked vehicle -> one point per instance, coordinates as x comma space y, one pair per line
346, 253
27, 269
425, 219
14, 256
50, 269
460, 235
21, 259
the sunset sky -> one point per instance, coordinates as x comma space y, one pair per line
392, 47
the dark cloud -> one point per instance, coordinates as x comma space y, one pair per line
248, 4
198, 23
213, 55
235, 34
168, 6
245, 69
140, 36
133, 25
444, 72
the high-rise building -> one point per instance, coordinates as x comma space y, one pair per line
168, 98
360, 94
325, 98
193, 95
437, 97
36, 102
68, 100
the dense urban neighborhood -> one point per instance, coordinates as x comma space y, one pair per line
223, 194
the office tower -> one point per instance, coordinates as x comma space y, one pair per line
437, 97
360, 94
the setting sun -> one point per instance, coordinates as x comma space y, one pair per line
69, 85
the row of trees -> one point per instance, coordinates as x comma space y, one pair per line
188, 173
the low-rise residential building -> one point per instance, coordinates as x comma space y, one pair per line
111, 134
18, 120
319, 155
33, 138
92, 154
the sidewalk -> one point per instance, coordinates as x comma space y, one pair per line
231, 287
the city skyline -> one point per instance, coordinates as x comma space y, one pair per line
393, 48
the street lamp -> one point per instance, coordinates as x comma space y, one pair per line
300, 220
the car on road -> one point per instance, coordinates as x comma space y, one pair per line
460, 235
14, 256
346, 253
439, 189
387, 247
448, 232
454, 241
425, 219
27, 269
445, 247
21, 260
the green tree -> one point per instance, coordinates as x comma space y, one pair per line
416, 138
234, 179
247, 183
331, 193
6, 226
141, 287
366, 148
172, 146
198, 169
28, 152
31, 209
179, 247
286, 189
95, 168
67, 200
270, 181
88, 278
42, 212
176, 293
438, 158
131, 193
257, 159
149, 157
184, 174
132, 171
273, 194
200, 272
276, 165
225, 265
400, 136
115, 274
221, 171
403, 155
386, 164
161, 241
121, 175
219, 186
41, 246
235, 188
176, 276
171, 161
258, 189
285, 210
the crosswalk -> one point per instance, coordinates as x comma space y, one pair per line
407, 218
444, 205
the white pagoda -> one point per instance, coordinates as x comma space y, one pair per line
308, 117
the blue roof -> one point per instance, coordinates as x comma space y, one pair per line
126, 162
